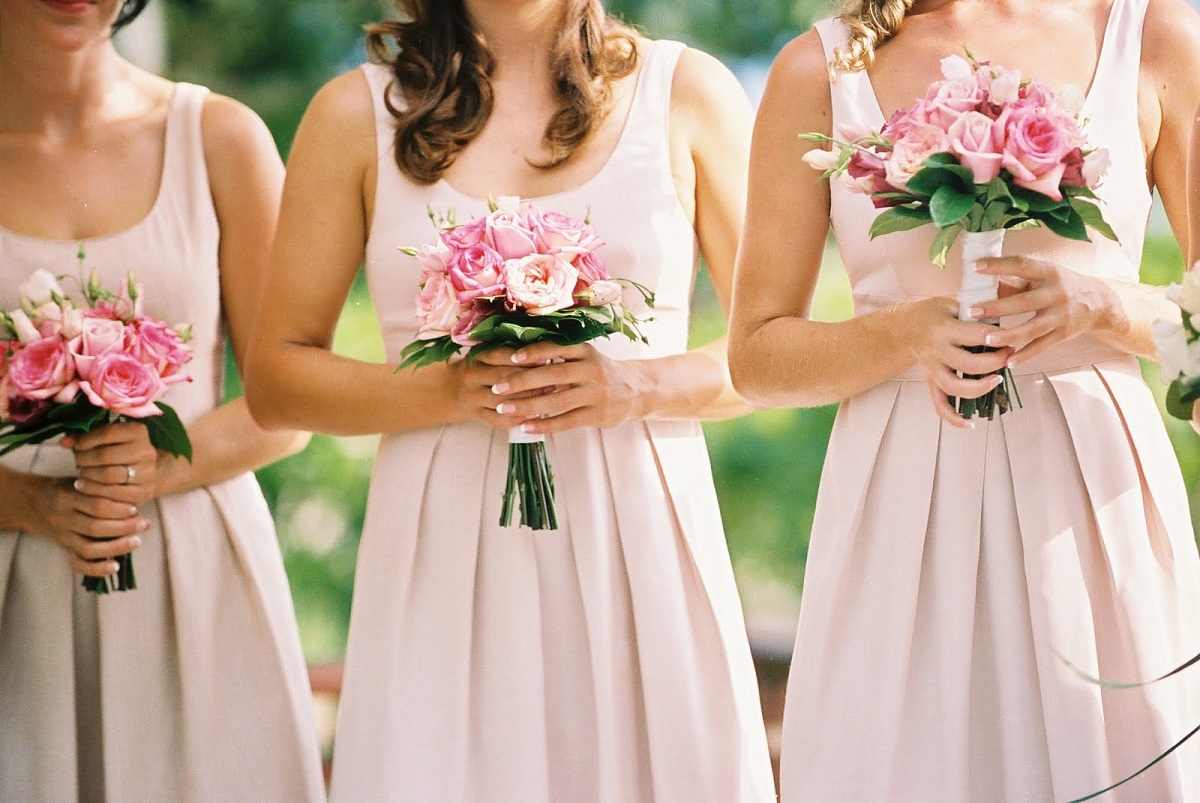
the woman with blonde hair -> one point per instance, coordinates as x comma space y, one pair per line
191, 687
605, 660
955, 564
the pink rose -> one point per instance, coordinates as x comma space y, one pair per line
1034, 144
591, 269
158, 345
20, 410
971, 141
1038, 94
475, 272
949, 100
465, 236
437, 308
41, 370
1073, 169
602, 293
433, 258
510, 234
910, 152
466, 323
1095, 166
558, 232
868, 174
540, 283
1002, 85
904, 120
124, 385
97, 337
49, 319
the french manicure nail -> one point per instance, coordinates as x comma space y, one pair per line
78, 485
527, 428
144, 525
519, 357
500, 387
506, 408
136, 542
975, 312
132, 510
992, 340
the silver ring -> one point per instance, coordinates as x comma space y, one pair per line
130, 475
543, 416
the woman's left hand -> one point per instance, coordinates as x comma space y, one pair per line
1065, 304
116, 461
577, 386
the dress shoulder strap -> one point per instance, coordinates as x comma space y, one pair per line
853, 97
185, 188
382, 83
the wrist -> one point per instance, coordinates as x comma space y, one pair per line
169, 474
640, 378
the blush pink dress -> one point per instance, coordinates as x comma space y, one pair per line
950, 569
193, 686
605, 661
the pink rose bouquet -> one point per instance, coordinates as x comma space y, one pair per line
517, 276
67, 368
983, 152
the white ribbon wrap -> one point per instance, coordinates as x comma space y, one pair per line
518, 435
978, 287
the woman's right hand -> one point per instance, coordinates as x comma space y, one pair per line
476, 378
92, 529
939, 341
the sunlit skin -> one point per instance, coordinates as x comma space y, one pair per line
323, 230
81, 150
780, 357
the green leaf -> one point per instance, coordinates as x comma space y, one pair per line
1035, 201
1093, 218
1180, 397
941, 245
948, 205
1072, 228
900, 218
167, 433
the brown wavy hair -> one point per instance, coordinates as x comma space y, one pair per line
872, 22
444, 68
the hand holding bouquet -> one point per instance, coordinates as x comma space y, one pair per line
514, 277
66, 368
983, 152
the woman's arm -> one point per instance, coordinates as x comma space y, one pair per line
293, 379
779, 356
245, 176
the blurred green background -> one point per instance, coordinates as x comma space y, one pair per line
274, 54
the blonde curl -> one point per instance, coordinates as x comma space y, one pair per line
872, 22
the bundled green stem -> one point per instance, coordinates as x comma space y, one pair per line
531, 483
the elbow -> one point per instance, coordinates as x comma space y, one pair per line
745, 374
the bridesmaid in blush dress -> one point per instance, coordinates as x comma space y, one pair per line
953, 562
191, 687
606, 660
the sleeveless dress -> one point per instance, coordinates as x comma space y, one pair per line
193, 686
950, 569
603, 661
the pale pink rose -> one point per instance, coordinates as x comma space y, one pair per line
971, 141
956, 68
97, 337
1034, 144
475, 273
510, 234
591, 269
1038, 94
41, 369
602, 293
26, 331
40, 288
466, 323
540, 283
48, 318
124, 385
948, 100
72, 323
910, 152
1002, 85
1095, 166
433, 258
158, 345
437, 308
555, 231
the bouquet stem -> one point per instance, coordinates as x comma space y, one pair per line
530, 483
123, 580
977, 288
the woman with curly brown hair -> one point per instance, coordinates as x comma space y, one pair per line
955, 564
605, 660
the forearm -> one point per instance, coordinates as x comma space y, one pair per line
225, 443
797, 362
310, 388
1126, 311
695, 384
18, 500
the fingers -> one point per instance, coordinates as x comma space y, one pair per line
1018, 266
970, 362
497, 356
1034, 300
952, 384
547, 352
536, 410
541, 377
125, 432
945, 410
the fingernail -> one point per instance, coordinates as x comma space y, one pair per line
136, 541
132, 510
1011, 364
500, 387
77, 485
970, 425
975, 312
997, 380
520, 356
528, 429
144, 525
992, 340
506, 408
112, 568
